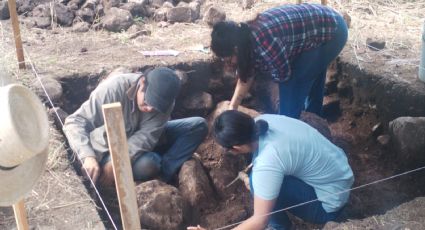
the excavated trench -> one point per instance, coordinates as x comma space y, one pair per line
355, 121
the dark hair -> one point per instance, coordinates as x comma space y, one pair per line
227, 35
236, 128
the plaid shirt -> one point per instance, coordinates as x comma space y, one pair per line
280, 34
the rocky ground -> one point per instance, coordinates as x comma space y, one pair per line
72, 45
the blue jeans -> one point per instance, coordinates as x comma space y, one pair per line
305, 89
182, 137
294, 191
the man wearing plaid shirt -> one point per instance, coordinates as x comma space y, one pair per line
293, 44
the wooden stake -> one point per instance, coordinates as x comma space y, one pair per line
114, 124
20, 215
324, 2
16, 33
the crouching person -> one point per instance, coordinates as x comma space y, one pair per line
292, 164
147, 102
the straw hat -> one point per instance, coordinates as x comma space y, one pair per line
24, 141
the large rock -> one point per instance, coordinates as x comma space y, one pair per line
223, 106
4, 10
108, 4
318, 123
63, 15
195, 7
52, 86
408, 137
86, 14
42, 22
161, 206
42, 10
194, 184
179, 14
161, 14
213, 15
90, 4
25, 6
137, 9
117, 20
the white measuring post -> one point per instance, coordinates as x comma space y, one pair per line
118, 148
20, 215
422, 63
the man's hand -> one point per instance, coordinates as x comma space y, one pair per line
107, 178
195, 228
92, 169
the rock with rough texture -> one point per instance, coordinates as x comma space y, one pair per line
81, 27
161, 14
42, 10
117, 20
157, 3
63, 15
194, 184
90, 4
167, 5
74, 4
179, 14
213, 15
408, 139
4, 10
195, 6
42, 22
86, 14
108, 4
52, 87
223, 106
318, 123
161, 206
24, 6
137, 9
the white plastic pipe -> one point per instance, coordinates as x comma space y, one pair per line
422, 64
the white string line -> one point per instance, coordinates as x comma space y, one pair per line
344, 191
57, 115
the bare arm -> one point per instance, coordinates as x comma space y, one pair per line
260, 218
241, 90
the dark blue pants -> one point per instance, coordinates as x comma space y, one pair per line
182, 137
305, 89
293, 192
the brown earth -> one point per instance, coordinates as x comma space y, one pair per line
60, 200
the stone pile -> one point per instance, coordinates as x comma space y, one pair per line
112, 15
